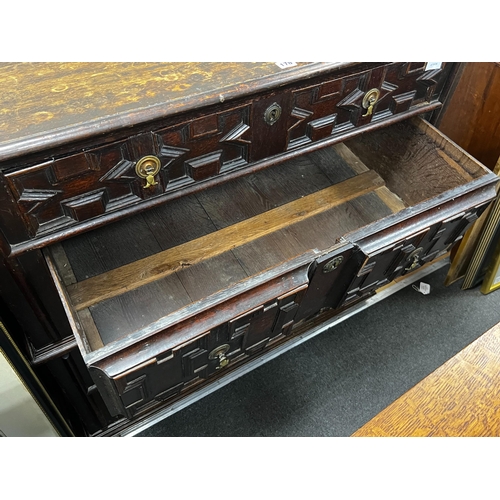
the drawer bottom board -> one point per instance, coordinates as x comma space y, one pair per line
114, 318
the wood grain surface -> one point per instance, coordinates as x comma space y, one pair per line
37, 97
141, 272
414, 160
472, 116
461, 398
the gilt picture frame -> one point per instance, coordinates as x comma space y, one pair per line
491, 280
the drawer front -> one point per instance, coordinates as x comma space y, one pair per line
337, 106
66, 192
211, 354
403, 256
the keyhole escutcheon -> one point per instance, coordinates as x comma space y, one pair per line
272, 114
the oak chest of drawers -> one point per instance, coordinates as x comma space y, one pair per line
164, 224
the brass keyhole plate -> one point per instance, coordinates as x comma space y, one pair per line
272, 114
333, 264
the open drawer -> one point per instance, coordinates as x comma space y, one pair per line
169, 298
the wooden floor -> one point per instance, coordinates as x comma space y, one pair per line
461, 398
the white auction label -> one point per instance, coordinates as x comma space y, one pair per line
433, 65
424, 288
283, 65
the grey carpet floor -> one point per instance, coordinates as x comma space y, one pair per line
334, 383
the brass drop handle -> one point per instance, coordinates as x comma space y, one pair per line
414, 264
415, 257
219, 353
369, 100
146, 168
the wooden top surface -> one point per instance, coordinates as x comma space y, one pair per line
45, 104
461, 398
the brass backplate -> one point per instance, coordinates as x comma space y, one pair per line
370, 98
219, 351
416, 253
147, 166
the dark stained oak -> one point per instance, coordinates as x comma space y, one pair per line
68, 181
143, 271
207, 277
142, 292
204, 243
76, 100
253, 194
67, 95
163, 365
146, 234
411, 162
118, 317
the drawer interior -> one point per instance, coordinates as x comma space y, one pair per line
121, 278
